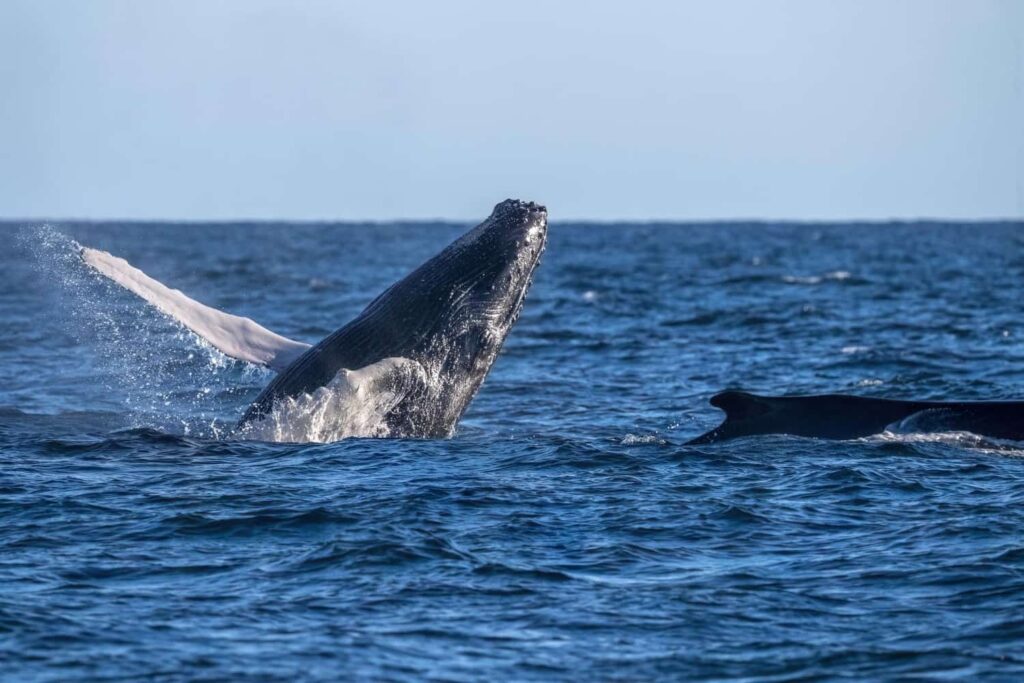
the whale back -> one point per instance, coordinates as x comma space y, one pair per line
839, 416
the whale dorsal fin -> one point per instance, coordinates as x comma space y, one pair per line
232, 335
739, 405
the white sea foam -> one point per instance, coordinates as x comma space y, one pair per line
831, 276
356, 403
642, 440
852, 350
959, 439
801, 279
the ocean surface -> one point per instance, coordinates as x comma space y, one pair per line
565, 533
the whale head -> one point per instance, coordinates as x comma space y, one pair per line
447, 321
474, 289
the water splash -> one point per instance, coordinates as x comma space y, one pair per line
356, 403
163, 375
956, 439
170, 379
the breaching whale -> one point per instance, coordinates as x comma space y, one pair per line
838, 416
408, 365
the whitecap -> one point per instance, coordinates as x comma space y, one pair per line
853, 349
642, 439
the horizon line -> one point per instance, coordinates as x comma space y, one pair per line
564, 221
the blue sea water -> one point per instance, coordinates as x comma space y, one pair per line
565, 533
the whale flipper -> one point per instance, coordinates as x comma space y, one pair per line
232, 335
838, 416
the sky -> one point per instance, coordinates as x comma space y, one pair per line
648, 109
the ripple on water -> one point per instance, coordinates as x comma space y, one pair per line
566, 533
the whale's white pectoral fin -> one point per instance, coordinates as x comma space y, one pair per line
232, 335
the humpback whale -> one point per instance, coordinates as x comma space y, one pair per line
839, 416
407, 366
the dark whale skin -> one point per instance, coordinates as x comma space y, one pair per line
450, 316
840, 416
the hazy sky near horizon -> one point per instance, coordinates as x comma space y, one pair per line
802, 109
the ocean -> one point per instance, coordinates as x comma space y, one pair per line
566, 532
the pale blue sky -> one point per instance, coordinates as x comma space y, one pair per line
803, 109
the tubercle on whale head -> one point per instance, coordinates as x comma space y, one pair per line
523, 225
504, 250
517, 222
512, 205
